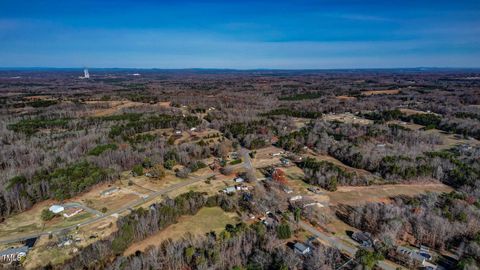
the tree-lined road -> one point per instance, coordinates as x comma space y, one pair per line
99, 216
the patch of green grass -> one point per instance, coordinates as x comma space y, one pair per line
99, 149
236, 161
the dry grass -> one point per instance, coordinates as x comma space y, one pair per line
409, 112
112, 107
300, 122
206, 220
381, 193
347, 118
264, 157
380, 92
46, 251
39, 98
345, 98
448, 140
337, 162
25, 222
115, 106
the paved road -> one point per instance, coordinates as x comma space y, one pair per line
247, 162
99, 215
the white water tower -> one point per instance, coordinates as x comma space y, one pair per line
86, 75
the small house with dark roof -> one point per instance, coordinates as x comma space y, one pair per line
301, 248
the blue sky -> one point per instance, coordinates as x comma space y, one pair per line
244, 34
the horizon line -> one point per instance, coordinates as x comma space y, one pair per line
6, 68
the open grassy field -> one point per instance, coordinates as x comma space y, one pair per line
30, 221
380, 92
111, 107
409, 112
125, 194
312, 154
46, 249
267, 156
25, 222
381, 193
206, 220
448, 140
347, 118
300, 122
345, 98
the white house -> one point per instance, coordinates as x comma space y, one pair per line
296, 198
56, 208
229, 190
238, 180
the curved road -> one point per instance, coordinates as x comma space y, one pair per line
99, 215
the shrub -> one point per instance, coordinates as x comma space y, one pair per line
284, 231
137, 170
47, 215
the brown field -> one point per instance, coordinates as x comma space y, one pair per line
114, 106
381, 193
347, 118
30, 221
123, 196
46, 250
300, 122
408, 125
409, 112
264, 157
345, 98
448, 140
214, 187
39, 98
206, 220
337, 162
196, 136
380, 92
25, 222
111, 107
150, 184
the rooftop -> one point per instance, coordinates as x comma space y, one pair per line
10, 251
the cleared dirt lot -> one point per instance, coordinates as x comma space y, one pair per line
206, 220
